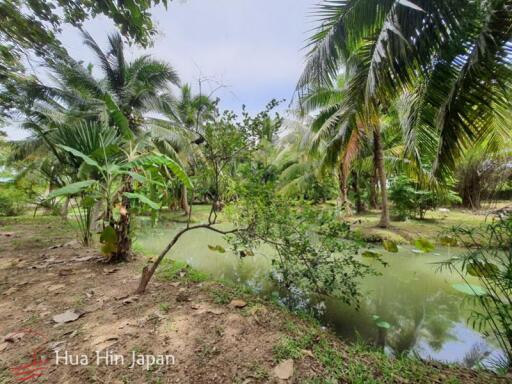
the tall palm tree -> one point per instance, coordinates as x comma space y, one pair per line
121, 98
183, 129
454, 54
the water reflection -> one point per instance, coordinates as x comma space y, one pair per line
426, 315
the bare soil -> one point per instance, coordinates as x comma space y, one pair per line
44, 272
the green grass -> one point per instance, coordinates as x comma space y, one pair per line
355, 363
176, 270
403, 232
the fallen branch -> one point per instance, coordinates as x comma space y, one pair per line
149, 271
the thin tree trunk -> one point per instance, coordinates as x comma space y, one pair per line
124, 242
379, 165
65, 208
357, 193
373, 188
184, 200
343, 185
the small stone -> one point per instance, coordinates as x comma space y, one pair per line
237, 303
68, 316
284, 370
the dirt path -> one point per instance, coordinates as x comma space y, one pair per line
194, 331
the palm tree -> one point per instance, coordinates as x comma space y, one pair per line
347, 120
121, 98
453, 54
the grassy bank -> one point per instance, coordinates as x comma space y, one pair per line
183, 313
434, 225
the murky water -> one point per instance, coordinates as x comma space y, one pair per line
426, 314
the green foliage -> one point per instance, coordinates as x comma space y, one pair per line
409, 201
390, 246
310, 256
12, 201
108, 239
490, 261
175, 270
424, 245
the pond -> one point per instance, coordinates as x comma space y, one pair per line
428, 317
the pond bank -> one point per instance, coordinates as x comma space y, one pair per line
43, 272
436, 223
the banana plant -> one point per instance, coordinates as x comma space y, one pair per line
104, 186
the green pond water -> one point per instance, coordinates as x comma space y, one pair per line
427, 316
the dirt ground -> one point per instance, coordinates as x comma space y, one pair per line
196, 330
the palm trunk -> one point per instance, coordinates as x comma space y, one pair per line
342, 180
379, 165
373, 188
184, 200
357, 193
124, 242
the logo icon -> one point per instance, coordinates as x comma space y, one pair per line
38, 364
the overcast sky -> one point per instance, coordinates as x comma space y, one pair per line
254, 48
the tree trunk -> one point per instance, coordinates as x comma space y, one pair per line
65, 208
373, 188
343, 185
124, 242
379, 165
184, 200
471, 191
357, 193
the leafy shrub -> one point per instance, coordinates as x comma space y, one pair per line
490, 262
411, 201
12, 201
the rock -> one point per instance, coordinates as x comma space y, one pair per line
307, 352
53, 288
237, 303
14, 337
284, 370
130, 300
182, 297
68, 316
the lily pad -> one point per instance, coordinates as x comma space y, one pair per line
383, 324
390, 246
216, 248
470, 289
424, 245
371, 254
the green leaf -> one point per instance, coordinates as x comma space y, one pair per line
108, 239
470, 289
143, 199
383, 324
424, 245
159, 160
88, 160
371, 254
217, 248
71, 189
118, 117
488, 270
390, 246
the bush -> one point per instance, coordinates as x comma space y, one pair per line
410, 201
12, 201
